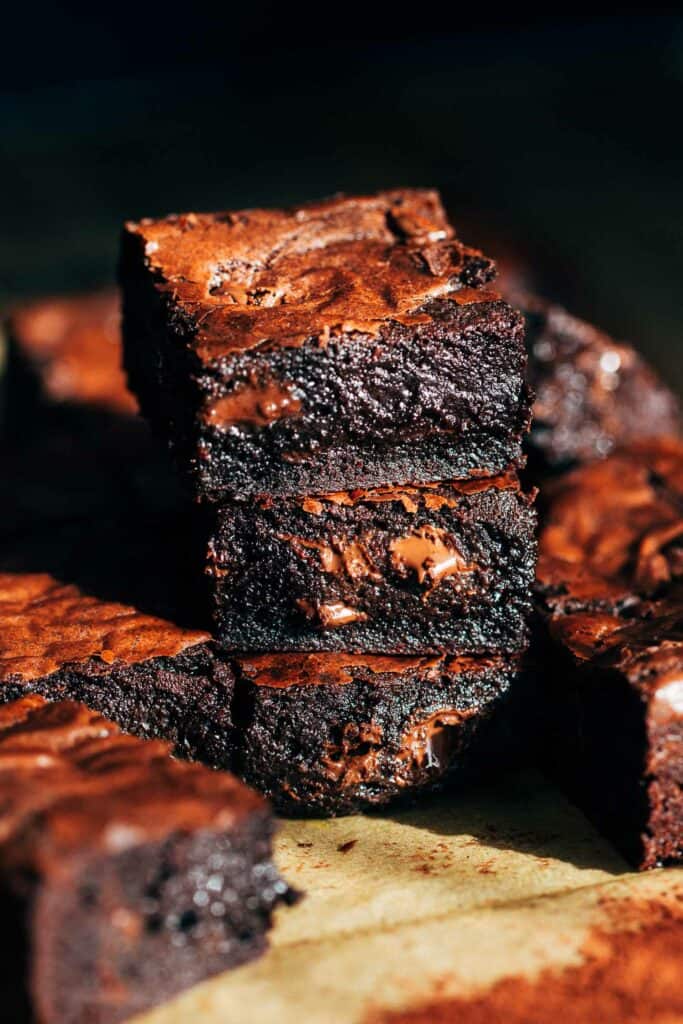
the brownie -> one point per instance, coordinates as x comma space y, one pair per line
154, 677
412, 570
610, 600
129, 875
348, 343
592, 393
616, 713
72, 347
336, 733
613, 531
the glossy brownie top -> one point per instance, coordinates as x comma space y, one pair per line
46, 625
280, 671
279, 277
72, 783
614, 530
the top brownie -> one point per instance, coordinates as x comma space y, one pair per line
344, 344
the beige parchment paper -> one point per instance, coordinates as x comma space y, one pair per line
447, 897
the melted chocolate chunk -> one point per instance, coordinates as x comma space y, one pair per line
416, 569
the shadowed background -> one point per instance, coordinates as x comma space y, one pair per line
559, 138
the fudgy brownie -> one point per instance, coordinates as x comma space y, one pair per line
132, 875
610, 594
72, 346
153, 677
413, 569
343, 344
334, 733
592, 393
616, 734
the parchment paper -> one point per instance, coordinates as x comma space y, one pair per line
444, 898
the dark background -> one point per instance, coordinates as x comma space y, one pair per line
559, 137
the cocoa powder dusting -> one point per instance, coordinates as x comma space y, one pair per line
629, 976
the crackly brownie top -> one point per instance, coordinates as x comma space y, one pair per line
614, 529
592, 392
646, 646
46, 625
280, 671
74, 344
412, 496
281, 277
72, 783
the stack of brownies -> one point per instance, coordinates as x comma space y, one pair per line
346, 397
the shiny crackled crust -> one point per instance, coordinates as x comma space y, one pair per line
45, 625
335, 733
343, 344
592, 392
413, 569
283, 276
611, 597
93, 788
150, 675
613, 531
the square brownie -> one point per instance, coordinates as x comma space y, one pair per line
128, 876
336, 733
74, 443
592, 393
418, 569
615, 739
348, 343
155, 678
610, 600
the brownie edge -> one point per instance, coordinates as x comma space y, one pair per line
133, 875
328, 734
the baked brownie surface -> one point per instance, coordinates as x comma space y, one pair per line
153, 677
610, 595
613, 531
334, 733
347, 343
73, 347
416, 569
592, 393
134, 875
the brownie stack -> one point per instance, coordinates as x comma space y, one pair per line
345, 396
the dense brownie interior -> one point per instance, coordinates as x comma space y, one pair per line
334, 733
134, 875
414, 569
610, 599
592, 393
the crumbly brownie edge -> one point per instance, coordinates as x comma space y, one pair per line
185, 700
